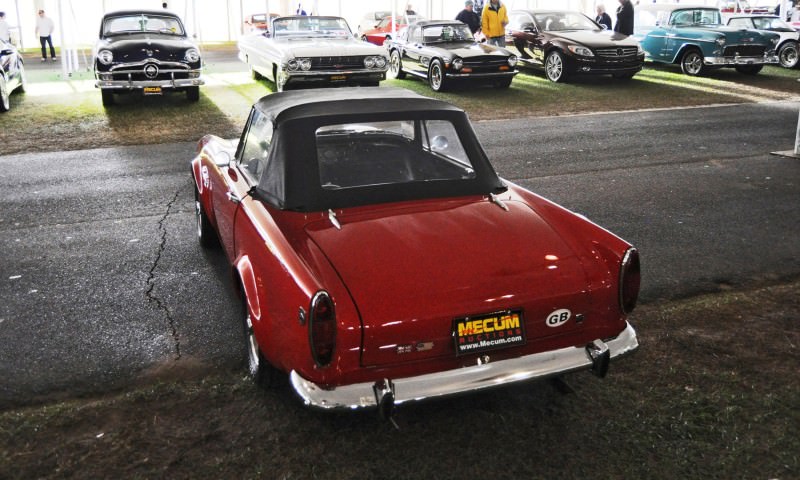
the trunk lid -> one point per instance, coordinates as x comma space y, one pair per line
413, 269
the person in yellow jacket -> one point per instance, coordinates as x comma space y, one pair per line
494, 19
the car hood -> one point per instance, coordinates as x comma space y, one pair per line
411, 270
596, 38
316, 47
139, 47
733, 35
467, 50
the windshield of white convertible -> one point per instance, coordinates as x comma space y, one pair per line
311, 27
558, 21
141, 23
390, 152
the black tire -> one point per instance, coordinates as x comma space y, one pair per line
749, 69
23, 79
788, 54
206, 235
554, 67
259, 369
5, 101
692, 63
396, 66
108, 97
437, 78
193, 93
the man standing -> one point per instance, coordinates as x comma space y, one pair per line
624, 18
5, 31
493, 23
44, 28
469, 17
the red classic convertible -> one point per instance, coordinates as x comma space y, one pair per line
380, 259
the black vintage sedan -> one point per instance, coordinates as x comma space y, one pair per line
444, 51
564, 43
148, 52
12, 74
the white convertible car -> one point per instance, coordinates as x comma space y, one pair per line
316, 51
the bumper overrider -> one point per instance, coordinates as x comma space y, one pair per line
389, 392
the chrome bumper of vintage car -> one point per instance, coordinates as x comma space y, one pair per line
171, 82
315, 75
467, 379
766, 59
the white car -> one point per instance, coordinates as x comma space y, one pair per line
789, 43
315, 51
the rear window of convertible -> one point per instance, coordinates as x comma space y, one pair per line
352, 155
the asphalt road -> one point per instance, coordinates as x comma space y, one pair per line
104, 283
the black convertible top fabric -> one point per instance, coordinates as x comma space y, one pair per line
291, 179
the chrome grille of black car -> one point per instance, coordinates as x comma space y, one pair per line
491, 62
337, 63
616, 52
744, 50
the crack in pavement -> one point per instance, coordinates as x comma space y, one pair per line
151, 282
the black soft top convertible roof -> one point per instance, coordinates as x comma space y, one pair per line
298, 104
291, 179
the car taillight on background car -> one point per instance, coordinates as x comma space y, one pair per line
629, 280
322, 328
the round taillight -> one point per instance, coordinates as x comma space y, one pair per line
629, 280
322, 328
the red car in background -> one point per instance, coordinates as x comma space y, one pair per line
380, 259
258, 21
383, 30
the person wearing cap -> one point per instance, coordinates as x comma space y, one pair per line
493, 23
469, 17
44, 28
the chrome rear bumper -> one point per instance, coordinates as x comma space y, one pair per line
477, 377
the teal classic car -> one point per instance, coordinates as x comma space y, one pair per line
695, 38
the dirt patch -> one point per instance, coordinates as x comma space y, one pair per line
712, 393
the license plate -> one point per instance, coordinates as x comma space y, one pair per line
338, 77
491, 331
152, 90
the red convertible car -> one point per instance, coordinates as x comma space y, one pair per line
380, 259
385, 28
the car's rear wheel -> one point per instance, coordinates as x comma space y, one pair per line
396, 66
436, 76
5, 101
23, 80
108, 97
205, 232
554, 67
788, 54
692, 63
193, 93
262, 373
749, 69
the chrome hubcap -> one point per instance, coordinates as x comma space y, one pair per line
554, 67
693, 63
436, 77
